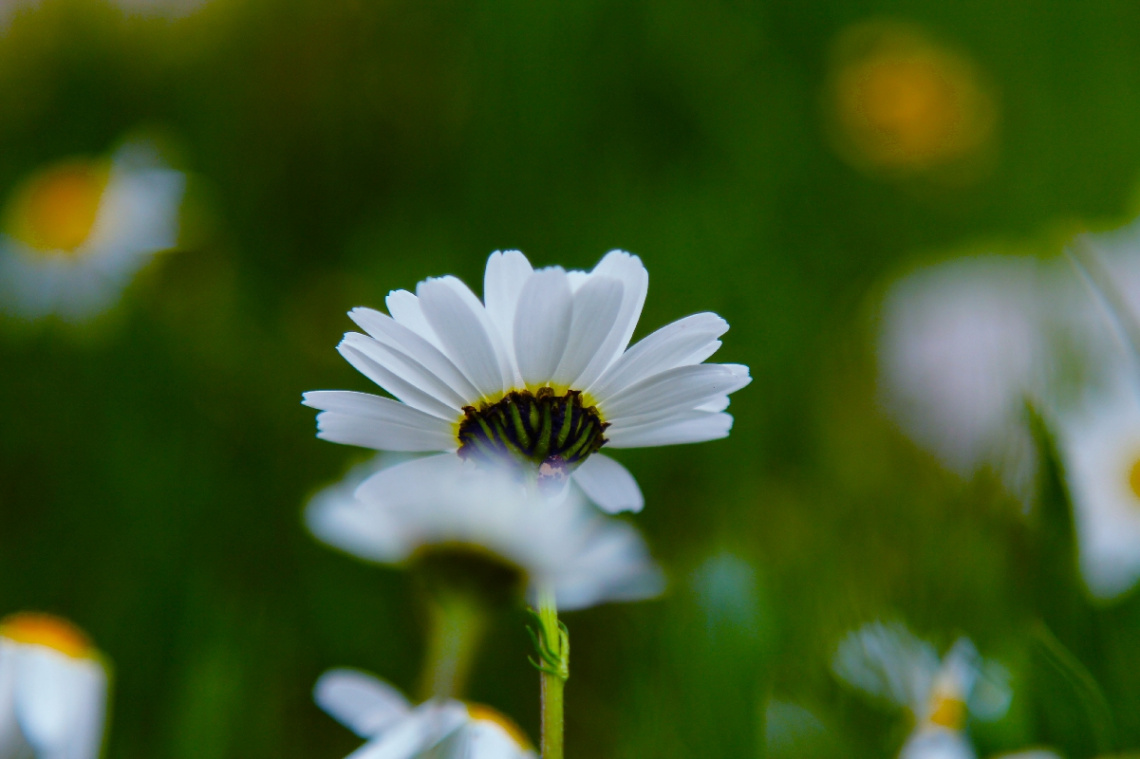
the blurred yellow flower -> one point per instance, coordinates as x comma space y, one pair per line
899, 102
76, 232
54, 211
53, 689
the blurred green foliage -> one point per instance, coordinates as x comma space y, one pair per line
153, 464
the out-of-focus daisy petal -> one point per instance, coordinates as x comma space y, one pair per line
374, 422
419, 731
359, 701
609, 484
55, 695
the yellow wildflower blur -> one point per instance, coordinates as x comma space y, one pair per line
899, 102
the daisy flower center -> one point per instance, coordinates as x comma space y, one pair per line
553, 432
947, 710
1134, 478
481, 713
46, 630
55, 210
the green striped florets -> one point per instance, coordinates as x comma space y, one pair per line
555, 433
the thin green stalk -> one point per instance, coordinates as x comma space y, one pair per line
556, 642
457, 624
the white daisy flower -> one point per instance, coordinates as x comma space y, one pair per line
77, 232
53, 690
961, 349
1100, 448
394, 729
448, 515
537, 372
890, 664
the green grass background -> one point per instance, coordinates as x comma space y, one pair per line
153, 464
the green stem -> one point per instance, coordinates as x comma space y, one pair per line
457, 623
557, 644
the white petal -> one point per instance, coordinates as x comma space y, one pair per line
673, 345
716, 404
465, 331
11, 741
337, 517
609, 484
405, 308
359, 701
691, 427
542, 325
388, 370
629, 270
674, 390
374, 422
386, 330
425, 727
60, 703
596, 306
422, 479
502, 283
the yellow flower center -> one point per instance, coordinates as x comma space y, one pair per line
1134, 478
481, 713
947, 709
55, 210
36, 629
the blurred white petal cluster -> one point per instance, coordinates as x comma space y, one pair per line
441, 504
77, 232
538, 373
53, 690
889, 663
394, 729
966, 347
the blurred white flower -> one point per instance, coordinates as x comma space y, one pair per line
891, 664
395, 729
1100, 447
537, 373
53, 690
77, 232
453, 512
961, 349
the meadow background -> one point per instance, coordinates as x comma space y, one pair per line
154, 462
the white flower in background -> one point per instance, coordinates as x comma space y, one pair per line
449, 513
961, 349
394, 729
893, 666
1100, 448
53, 690
538, 372
77, 232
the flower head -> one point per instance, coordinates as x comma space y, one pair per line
1100, 446
75, 233
53, 689
902, 102
890, 664
537, 374
469, 524
395, 729
961, 349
